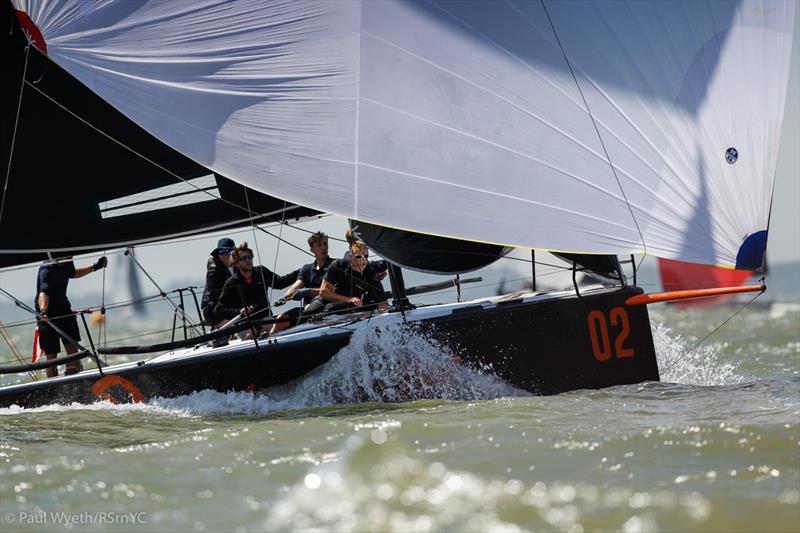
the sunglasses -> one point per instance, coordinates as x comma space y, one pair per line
224, 252
245, 258
361, 256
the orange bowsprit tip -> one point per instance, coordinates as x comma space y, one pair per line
97, 318
645, 299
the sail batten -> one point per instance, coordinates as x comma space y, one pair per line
639, 125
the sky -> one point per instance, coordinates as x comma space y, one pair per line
177, 264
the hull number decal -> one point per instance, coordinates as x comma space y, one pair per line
102, 385
599, 334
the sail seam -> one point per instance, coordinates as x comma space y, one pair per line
488, 192
357, 117
594, 124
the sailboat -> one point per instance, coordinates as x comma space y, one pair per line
447, 133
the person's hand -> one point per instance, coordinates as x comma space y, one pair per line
43, 312
246, 310
355, 300
381, 275
100, 263
383, 305
299, 294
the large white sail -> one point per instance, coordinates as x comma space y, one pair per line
597, 127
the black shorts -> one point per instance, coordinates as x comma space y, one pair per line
320, 306
49, 338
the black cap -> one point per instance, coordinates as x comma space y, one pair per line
223, 244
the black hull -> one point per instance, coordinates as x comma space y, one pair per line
548, 349
546, 346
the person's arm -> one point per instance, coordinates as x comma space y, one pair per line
375, 292
44, 303
229, 303
82, 271
298, 284
281, 282
328, 292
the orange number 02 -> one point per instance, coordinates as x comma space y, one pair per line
598, 332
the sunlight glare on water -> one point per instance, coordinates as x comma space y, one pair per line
713, 447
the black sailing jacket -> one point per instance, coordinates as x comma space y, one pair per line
216, 276
237, 294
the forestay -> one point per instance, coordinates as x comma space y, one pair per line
596, 127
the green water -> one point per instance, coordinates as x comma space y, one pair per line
714, 447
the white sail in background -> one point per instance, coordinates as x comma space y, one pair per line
634, 126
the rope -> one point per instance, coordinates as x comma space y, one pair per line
698, 343
594, 123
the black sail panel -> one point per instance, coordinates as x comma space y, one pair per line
83, 177
427, 253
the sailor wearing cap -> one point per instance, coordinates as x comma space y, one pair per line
219, 268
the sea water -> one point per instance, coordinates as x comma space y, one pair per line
391, 435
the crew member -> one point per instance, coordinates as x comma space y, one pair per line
350, 284
219, 268
245, 292
308, 281
52, 304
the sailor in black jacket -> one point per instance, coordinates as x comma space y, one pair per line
218, 269
350, 284
245, 292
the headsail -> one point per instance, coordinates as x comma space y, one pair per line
592, 127
83, 177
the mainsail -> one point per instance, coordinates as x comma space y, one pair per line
81, 177
590, 127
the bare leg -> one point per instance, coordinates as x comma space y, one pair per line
51, 371
280, 326
71, 349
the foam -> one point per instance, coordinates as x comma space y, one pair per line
679, 363
382, 363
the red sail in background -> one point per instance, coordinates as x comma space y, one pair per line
679, 276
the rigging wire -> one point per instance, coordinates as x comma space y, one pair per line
178, 309
142, 156
275, 264
14, 135
267, 294
698, 343
102, 330
594, 123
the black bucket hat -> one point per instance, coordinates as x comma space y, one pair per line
223, 244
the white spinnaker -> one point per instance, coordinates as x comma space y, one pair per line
463, 119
